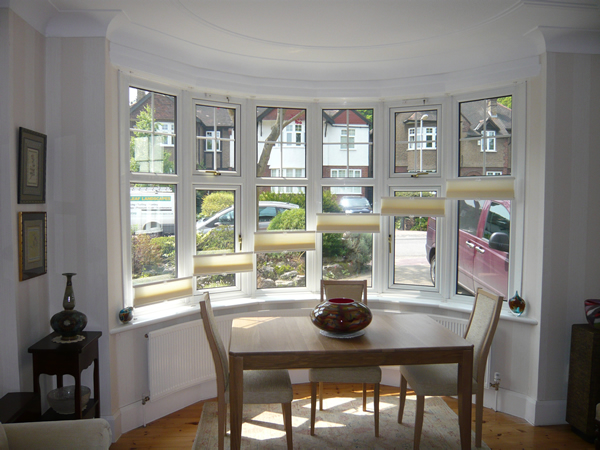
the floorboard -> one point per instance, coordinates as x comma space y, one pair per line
500, 431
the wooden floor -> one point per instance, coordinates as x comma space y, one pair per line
500, 431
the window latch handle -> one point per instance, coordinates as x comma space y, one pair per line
214, 172
240, 241
416, 175
390, 242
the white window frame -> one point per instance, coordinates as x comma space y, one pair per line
383, 181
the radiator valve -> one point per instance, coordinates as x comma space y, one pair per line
496, 383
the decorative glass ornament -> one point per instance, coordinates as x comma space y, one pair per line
517, 304
592, 312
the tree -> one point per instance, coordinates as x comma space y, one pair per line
279, 125
144, 122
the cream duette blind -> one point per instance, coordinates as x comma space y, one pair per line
481, 188
162, 290
413, 206
279, 241
210, 264
348, 223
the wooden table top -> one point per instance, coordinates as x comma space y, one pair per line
294, 342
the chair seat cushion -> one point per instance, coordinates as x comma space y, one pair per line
369, 374
433, 379
266, 386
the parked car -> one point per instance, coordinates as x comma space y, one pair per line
483, 244
267, 210
355, 205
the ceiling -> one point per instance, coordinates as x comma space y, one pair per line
326, 48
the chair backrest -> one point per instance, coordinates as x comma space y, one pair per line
481, 329
216, 345
354, 289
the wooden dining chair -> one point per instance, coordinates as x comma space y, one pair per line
441, 379
356, 290
260, 386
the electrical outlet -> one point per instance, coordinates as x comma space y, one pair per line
496, 377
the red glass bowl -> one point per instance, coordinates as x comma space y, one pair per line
341, 315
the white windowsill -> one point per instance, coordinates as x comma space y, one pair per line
244, 305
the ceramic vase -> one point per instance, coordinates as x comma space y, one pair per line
68, 323
516, 304
341, 315
592, 312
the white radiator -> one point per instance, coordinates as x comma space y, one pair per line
179, 357
459, 326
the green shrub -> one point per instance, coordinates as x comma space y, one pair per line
291, 219
215, 202
146, 255
219, 238
295, 198
330, 203
333, 245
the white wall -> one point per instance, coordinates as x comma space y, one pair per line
24, 318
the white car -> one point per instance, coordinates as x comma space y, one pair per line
267, 210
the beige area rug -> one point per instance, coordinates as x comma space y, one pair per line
342, 424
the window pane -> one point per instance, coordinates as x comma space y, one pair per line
348, 143
416, 141
281, 208
153, 251
152, 132
483, 239
215, 231
215, 138
414, 246
281, 142
485, 137
348, 256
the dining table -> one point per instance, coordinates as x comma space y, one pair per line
294, 342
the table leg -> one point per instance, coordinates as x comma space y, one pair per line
465, 376
236, 399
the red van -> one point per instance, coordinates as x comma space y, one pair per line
483, 243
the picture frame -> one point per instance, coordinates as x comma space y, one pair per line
32, 245
32, 167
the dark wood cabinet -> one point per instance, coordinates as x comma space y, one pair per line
584, 379
58, 359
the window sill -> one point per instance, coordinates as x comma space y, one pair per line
285, 302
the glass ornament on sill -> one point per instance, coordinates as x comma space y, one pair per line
68, 323
516, 304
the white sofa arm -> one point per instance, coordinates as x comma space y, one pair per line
93, 434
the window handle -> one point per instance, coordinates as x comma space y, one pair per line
390, 242
214, 172
240, 241
416, 175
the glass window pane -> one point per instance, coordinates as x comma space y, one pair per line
215, 231
215, 138
152, 132
347, 256
281, 142
483, 244
485, 137
416, 148
414, 246
281, 208
348, 143
153, 250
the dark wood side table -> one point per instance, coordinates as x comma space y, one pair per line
19, 407
58, 359
584, 380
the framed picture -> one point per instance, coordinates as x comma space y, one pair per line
32, 245
32, 167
